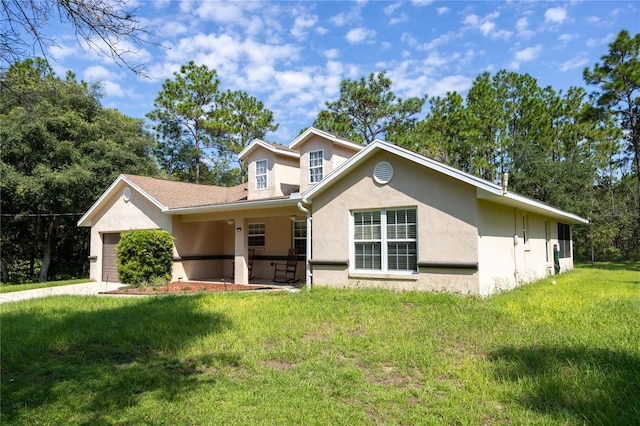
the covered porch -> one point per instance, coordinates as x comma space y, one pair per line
242, 246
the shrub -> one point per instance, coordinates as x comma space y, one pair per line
144, 257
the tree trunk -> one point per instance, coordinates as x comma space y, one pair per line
50, 238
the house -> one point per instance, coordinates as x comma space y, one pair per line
375, 216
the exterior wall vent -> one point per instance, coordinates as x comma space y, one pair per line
126, 194
383, 172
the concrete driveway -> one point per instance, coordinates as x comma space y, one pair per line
84, 289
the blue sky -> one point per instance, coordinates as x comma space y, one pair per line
293, 55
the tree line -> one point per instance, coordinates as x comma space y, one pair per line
60, 147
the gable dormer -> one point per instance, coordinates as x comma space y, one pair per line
320, 154
273, 170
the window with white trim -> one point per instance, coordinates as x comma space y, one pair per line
256, 234
316, 161
300, 236
385, 240
261, 174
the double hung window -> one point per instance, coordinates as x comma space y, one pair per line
300, 236
315, 166
256, 235
385, 240
261, 174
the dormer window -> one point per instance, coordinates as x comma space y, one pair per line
316, 159
261, 174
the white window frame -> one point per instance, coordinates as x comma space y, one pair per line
262, 178
384, 241
314, 166
296, 238
256, 229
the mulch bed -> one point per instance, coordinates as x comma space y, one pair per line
178, 287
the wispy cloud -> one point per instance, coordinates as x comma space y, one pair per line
359, 35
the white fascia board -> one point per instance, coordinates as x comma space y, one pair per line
259, 143
377, 145
235, 206
485, 189
527, 204
333, 138
106, 194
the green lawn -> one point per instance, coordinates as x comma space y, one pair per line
563, 353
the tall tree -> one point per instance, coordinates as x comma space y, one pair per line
58, 149
368, 109
240, 119
617, 77
183, 112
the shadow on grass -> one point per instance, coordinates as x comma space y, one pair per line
594, 386
95, 362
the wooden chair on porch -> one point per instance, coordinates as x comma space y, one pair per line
286, 272
252, 254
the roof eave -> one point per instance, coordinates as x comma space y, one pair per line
234, 206
259, 143
84, 220
312, 130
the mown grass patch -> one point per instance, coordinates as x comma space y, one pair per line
563, 353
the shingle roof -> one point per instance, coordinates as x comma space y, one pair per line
173, 194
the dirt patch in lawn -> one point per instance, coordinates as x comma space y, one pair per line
179, 287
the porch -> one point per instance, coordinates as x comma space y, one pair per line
239, 249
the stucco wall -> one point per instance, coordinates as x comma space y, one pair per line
505, 264
333, 154
282, 175
446, 214
118, 215
198, 239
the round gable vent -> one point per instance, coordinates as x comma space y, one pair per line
126, 194
383, 172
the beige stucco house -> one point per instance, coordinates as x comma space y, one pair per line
375, 216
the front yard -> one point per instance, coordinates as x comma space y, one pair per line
560, 351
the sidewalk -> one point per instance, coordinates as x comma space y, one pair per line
84, 289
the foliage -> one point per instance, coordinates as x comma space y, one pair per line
144, 257
198, 126
367, 110
535, 355
100, 25
618, 80
59, 149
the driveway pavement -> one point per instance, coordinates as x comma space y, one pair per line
84, 289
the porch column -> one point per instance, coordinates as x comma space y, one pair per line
241, 275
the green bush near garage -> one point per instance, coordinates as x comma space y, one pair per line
145, 257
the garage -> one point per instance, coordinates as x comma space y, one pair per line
109, 267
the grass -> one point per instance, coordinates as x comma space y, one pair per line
10, 287
563, 353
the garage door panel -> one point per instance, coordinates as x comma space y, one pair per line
109, 267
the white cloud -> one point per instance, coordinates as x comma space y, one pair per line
301, 24
112, 89
96, 73
556, 15
578, 62
399, 19
487, 26
359, 35
443, 10
421, 3
600, 42
321, 30
565, 38
391, 8
331, 53
526, 55
452, 83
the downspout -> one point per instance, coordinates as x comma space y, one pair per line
308, 250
